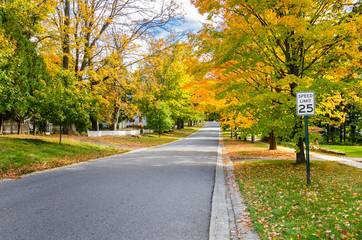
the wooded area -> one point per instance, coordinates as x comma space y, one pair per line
76, 63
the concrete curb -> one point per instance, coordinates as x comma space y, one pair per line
229, 218
240, 223
219, 221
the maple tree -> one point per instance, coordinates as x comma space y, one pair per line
269, 50
164, 76
97, 42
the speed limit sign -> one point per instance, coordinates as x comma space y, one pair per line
305, 104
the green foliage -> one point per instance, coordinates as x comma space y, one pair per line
23, 76
164, 76
159, 117
66, 104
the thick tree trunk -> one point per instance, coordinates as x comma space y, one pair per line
179, 124
272, 141
300, 154
19, 127
115, 118
252, 138
95, 125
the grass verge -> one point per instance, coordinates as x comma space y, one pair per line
144, 140
282, 206
24, 154
351, 151
129, 142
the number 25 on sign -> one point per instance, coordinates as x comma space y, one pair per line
305, 104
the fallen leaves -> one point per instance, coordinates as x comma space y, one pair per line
283, 207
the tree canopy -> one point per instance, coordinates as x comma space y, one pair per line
260, 53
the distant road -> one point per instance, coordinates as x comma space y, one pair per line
158, 193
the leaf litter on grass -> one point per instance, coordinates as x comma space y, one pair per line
282, 206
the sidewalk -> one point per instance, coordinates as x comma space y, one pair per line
355, 162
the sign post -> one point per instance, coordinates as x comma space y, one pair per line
306, 107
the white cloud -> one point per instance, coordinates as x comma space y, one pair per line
193, 19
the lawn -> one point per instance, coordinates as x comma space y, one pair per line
130, 142
351, 151
183, 132
24, 154
282, 206
139, 141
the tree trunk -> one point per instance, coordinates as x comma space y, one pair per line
60, 132
115, 118
300, 154
19, 127
34, 127
66, 49
272, 141
95, 125
178, 124
252, 138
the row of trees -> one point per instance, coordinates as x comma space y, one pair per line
258, 54
75, 62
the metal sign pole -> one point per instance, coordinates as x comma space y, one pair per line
307, 147
306, 107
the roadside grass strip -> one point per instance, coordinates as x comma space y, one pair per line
146, 140
22, 154
138, 141
25, 154
351, 151
282, 206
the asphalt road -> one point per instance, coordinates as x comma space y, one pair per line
159, 193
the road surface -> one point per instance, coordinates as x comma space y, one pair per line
158, 193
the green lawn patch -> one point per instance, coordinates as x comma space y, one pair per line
282, 206
351, 151
25, 154
187, 131
146, 140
